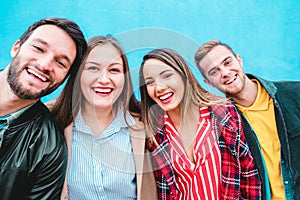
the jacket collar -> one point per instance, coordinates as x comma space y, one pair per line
33, 111
268, 85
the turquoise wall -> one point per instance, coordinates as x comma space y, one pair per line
265, 33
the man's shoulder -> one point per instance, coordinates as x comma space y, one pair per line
38, 112
280, 84
39, 121
288, 85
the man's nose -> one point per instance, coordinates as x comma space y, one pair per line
46, 63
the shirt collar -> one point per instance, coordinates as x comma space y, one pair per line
115, 126
260, 102
204, 114
12, 116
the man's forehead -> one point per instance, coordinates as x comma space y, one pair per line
47, 30
219, 51
57, 40
216, 55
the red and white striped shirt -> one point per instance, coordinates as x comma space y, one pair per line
199, 180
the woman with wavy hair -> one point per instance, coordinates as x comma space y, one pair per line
196, 139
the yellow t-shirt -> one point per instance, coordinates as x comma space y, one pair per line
262, 119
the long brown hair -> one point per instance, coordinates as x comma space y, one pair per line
151, 113
68, 103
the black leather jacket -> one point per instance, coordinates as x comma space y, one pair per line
286, 96
33, 157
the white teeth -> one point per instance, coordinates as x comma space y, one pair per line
165, 96
103, 90
37, 75
231, 80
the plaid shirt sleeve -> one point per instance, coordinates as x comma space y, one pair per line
163, 171
240, 178
250, 180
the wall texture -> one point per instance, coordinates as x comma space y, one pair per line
265, 33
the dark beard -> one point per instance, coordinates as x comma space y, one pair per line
16, 84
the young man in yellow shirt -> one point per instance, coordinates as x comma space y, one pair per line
270, 112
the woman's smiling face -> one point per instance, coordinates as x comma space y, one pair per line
102, 79
164, 84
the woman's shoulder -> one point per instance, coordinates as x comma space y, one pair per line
227, 115
224, 108
138, 122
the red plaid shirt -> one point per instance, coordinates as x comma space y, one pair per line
239, 179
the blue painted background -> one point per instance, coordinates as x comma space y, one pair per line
265, 33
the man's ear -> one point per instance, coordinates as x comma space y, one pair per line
15, 48
240, 60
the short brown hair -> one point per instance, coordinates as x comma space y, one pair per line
71, 28
204, 49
